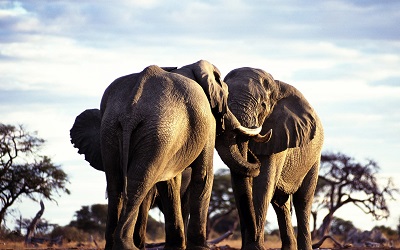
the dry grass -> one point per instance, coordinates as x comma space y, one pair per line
69, 245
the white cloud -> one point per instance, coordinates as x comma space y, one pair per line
11, 9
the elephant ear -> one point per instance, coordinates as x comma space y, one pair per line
85, 135
209, 78
293, 122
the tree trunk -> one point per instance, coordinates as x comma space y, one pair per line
32, 226
326, 225
3, 213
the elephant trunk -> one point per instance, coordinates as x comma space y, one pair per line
239, 159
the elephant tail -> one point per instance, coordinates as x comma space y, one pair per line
128, 126
126, 135
85, 135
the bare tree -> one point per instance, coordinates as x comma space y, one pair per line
342, 181
32, 226
23, 172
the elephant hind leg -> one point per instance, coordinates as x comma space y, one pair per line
200, 193
139, 235
114, 189
302, 201
170, 198
114, 210
124, 233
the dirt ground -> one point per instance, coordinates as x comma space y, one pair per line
227, 244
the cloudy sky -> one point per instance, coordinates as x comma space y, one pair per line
57, 58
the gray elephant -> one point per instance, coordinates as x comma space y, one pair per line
155, 124
85, 135
289, 160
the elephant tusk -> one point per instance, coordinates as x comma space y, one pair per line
263, 138
249, 131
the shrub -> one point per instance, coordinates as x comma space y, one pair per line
70, 234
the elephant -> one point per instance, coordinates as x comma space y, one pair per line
154, 125
289, 160
85, 135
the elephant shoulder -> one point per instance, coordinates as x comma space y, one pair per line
292, 120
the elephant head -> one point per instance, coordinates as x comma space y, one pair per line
209, 78
249, 104
257, 100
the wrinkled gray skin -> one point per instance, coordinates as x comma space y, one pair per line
155, 124
289, 160
85, 135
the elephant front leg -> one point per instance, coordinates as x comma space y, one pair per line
242, 189
170, 197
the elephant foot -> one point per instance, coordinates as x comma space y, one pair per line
293, 246
120, 244
198, 247
253, 246
290, 248
174, 248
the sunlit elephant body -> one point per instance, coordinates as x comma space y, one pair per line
85, 135
155, 124
289, 160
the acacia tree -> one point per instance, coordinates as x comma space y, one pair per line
23, 171
342, 181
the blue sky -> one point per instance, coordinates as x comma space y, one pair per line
57, 58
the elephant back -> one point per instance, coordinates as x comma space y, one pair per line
85, 135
